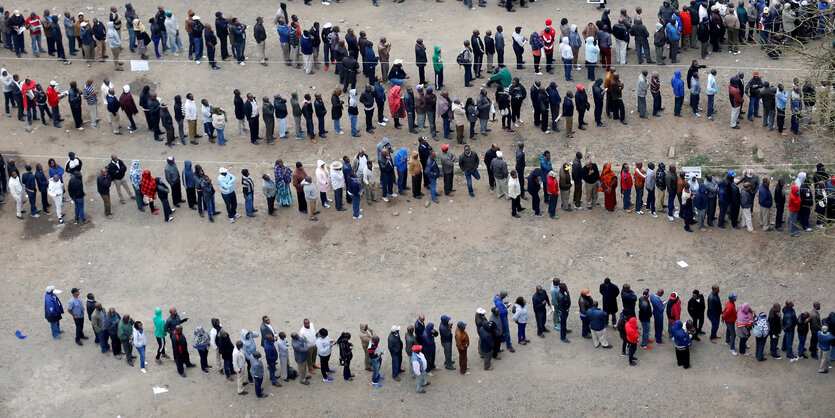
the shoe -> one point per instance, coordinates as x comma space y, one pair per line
376, 385
733, 352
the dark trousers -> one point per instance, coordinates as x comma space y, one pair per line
271, 203
181, 360
699, 322
632, 347
231, 202
416, 181
516, 205
448, 183
369, 119
300, 199
535, 203
79, 328
191, 196
540, 321
714, 325
656, 103
683, 357
253, 129
116, 344
477, 60
518, 50
204, 358
346, 370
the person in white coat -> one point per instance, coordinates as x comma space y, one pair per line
190, 113
323, 182
239, 364
16, 190
520, 317
56, 191
139, 340
514, 192
337, 183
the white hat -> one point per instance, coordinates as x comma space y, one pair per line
50, 288
83, 24
53, 83
328, 25
499, 154
395, 328
17, 12
480, 311
222, 170
195, 17
126, 88
398, 61
81, 13
336, 165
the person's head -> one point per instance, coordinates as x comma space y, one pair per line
659, 292
265, 319
517, 29
178, 329
306, 323
789, 304
538, 289
556, 281
99, 308
514, 174
75, 292
563, 287
775, 308
375, 339
173, 311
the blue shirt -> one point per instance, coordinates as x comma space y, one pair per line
284, 33
657, 306
76, 307
226, 183
500, 306
782, 99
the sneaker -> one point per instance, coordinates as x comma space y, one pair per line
35, 216
385, 199
733, 352
640, 212
671, 218
326, 206
393, 195
376, 385
231, 220
327, 379
358, 217
381, 123
654, 215
697, 115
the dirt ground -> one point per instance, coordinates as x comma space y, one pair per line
402, 259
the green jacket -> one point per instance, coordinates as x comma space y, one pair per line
294, 104
437, 62
503, 77
125, 329
159, 324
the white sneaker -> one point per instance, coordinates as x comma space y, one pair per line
197, 62
326, 206
640, 212
385, 119
671, 218
654, 215
237, 215
547, 132
35, 216
521, 121
515, 124
143, 370
381, 123
393, 195
385, 199
242, 63
539, 73
733, 352
231, 220
358, 217
697, 115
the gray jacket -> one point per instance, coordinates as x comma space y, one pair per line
310, 191
499, 168
483, 105
447, 162
300, 350
172, 174
746, 199
642, 86
712, 187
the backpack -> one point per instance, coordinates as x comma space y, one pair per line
292, 374
760, 327
536, 42
460, 59
659, 180
805, 197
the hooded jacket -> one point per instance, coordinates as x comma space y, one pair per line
632, 330
678, 84
680, 337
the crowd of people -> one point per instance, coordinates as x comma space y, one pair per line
422, 103
573, 184
119, 334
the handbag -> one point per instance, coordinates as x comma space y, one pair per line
504, 112
146, 199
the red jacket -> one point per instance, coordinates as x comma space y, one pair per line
632, 330
686, 25
625, 180
736, 96
547, 36
52, 97
675, 310
553, 186
729, 314
794, 199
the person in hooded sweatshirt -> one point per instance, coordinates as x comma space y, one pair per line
681, 339
180, 348
201, 344
673, 309
678, 92
428, 342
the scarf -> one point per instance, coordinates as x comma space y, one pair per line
607, 177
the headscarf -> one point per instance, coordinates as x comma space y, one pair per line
607, 176
395, 101
135, 174
744, 315
801, 177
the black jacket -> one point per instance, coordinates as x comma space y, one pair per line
319, 108
591, 175
714, 305
477, 44
395, 344
259, 33
567, 107
239, 107
103, 184
644, 310
76, 188
280, 108
468, 163
775, 325
489, 45
420, 56
696, 307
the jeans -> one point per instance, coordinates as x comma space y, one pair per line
743, 344
768, 118
710, 105
36, 39
585, 329
197, 44
567, 64
356, 206
801, 345
210, 207
79, 210
644, 333
552, 205
627, 198
103, 337
401, 181
337, 198
248, 203
469, 175
679, 101
353, 119
375, 374
506, 331
176, 43
563, 326
258, 381
396, 360
56, 328
239, 46
753, 108
386, 181
788, 342
671, 203
141, 351
659, 328
714, 325
730, 334
432, 192
775, 339
760, 351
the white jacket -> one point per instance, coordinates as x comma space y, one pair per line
16, 187
139, 339
565, 50
513, 188
190, 110
309, 334
238, 359
55, 189
337, 179
171, 25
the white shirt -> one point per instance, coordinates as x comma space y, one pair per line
190, 110
105, 89
254, 105
308, 334
519, 39
56, 189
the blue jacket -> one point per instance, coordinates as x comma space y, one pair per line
226, 183
353, 186
284, 33
680, 336
546, 168
249, 343
379, 93
657, 307
825, 340
189, 180
673, 34
722, 193
43, 182
29, 182
429, 338
52, 307
415, 358
678, 85
766, 200
432, 169
597, 319
307, 45
500, 306
700, 202
400, 159
270, 352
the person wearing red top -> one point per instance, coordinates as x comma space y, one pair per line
736, 104
632, 339
729, 317
33, 23
52, 100
626, 187
553, 189
794, 209
148, 190
673, 312
548, 35
686, 28
608, 183
640, 178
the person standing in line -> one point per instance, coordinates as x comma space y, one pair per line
125, 331
681, 339
160, 334
323, 350
462, 343
345, 355
226, 181
103, 183
729, 316
240, 366
395, 345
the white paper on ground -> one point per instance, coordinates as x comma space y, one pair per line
158, 390
138, 65
682, 264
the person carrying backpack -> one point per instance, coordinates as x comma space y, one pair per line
760, 332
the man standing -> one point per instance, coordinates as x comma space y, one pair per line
420, 60
116, 172
658, 315
260, 35
257, 372
448, 166
714, 312
395, 345
226, 181
418, 362
789, 324
563, 300
499, 170
775, 327
179, 346
172, 176
239, 365
462, 342
468, 162
76, 309
540, 304
597, 323
501, 306
308, 333
729, 317
696, 309
446, 342
103, 184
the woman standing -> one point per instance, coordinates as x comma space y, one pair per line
503, 100
190, 183
520, 317
201, 344
323, 348
148, 189
139, 341
226, 348
345, 355
687, 207
323, 182
283, 178
219, 123
608, 182
744, 323
156, 34
396, 106
416, 171
336, 110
